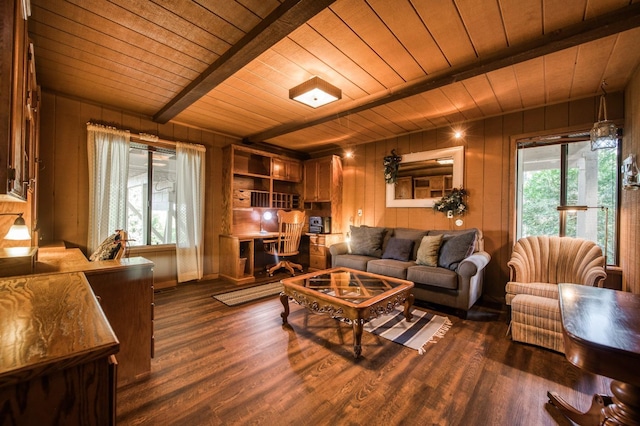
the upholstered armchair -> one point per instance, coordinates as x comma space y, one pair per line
537, 265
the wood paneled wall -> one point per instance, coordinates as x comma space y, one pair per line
489, 176
63, 186
630, 218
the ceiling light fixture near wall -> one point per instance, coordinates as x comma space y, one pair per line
604, 133
315, 92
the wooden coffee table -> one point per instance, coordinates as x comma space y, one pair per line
348, 295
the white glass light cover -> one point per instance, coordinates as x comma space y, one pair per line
315, 92
18, 231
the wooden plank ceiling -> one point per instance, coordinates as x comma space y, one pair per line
402, 65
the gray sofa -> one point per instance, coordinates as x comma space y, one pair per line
452, 276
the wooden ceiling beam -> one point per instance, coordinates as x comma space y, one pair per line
290, 15
605, 25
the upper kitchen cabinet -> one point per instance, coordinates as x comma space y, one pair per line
19, 110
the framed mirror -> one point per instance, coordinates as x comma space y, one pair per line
425, 177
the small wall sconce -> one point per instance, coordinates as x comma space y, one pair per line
19, 229
630, 178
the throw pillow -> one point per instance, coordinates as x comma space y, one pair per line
428, 251
398, 249
455, 249
107, 249
366, 241
411, 234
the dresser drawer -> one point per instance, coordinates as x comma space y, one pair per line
317, 262
241, 198
317, 250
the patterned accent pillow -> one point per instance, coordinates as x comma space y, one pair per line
428, 251
398, 249
108, 248
366, 241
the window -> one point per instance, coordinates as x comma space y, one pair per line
563, 171
151, 208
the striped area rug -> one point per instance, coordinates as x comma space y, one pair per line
245, 295
424, 328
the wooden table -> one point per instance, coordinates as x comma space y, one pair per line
601, 329
351, 296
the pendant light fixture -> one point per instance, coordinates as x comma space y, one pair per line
604, 133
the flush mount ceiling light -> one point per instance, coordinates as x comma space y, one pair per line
604, 133
315, 92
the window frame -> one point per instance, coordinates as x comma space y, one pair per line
563, 138
150, 149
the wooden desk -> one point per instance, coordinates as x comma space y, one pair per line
236, 247
17, 260
125, 290
56, 357
601, 329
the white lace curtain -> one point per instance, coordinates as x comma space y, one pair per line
108, 150
190, 168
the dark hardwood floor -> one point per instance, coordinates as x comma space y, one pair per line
219, 365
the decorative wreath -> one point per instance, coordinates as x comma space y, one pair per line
454, 202
391, 163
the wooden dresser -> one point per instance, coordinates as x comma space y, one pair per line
57, 363
124, 288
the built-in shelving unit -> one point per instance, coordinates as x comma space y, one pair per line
255, 181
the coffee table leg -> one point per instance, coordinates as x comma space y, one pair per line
407, 307
285, 302
357, 338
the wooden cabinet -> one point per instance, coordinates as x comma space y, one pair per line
125, 290
319, 179
323, 189
126, 297
57, 363
286, 169
254, 181
19, 105
319, 256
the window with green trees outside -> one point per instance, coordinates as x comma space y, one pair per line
564, 171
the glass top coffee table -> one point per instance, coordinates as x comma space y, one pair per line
348, 295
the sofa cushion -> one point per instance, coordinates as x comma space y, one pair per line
389, 267
454, 249
433, 276
411, 234
549, 291
366, 241
428, 251
398, 249
353, 261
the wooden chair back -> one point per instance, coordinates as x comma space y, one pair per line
290, 225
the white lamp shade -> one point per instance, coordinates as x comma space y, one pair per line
18, 232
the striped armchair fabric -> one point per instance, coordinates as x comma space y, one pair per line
537, 265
